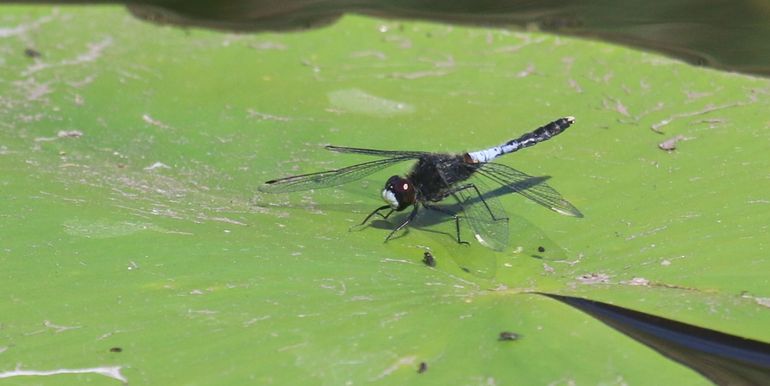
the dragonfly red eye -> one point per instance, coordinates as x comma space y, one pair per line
401, 191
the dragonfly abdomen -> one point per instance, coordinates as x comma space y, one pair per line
539, 135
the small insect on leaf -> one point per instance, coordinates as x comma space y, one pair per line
423, 368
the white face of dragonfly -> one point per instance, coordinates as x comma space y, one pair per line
390, 198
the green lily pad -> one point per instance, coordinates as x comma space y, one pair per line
134, 236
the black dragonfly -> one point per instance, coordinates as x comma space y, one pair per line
437, 176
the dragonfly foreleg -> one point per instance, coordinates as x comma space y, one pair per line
377, 211
403, 224
456, 218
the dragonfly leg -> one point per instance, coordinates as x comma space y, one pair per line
377, 211
456, 218
480, 196
403, 224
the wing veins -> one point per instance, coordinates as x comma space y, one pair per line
533, 188
378, 153
480, 211
328, 178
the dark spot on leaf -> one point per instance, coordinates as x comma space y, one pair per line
508, 336
32, 53
541, 249
116, 349
423, 368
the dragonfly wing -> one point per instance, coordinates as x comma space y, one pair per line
378, 153
485, 214
330, 177
533, 188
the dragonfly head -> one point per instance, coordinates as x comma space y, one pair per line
398, 193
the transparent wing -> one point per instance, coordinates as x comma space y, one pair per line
484, 213
328, 178
533, 188
379, 153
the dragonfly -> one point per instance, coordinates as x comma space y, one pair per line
434, 177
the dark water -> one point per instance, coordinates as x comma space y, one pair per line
724, 359
731, 35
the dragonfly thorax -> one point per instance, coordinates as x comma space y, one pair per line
398, 193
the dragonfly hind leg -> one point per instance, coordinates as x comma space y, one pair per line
454, 216
480, 197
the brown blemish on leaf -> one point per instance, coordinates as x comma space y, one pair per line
670, 144
593, 278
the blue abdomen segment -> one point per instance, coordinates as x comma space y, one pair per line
529, 139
